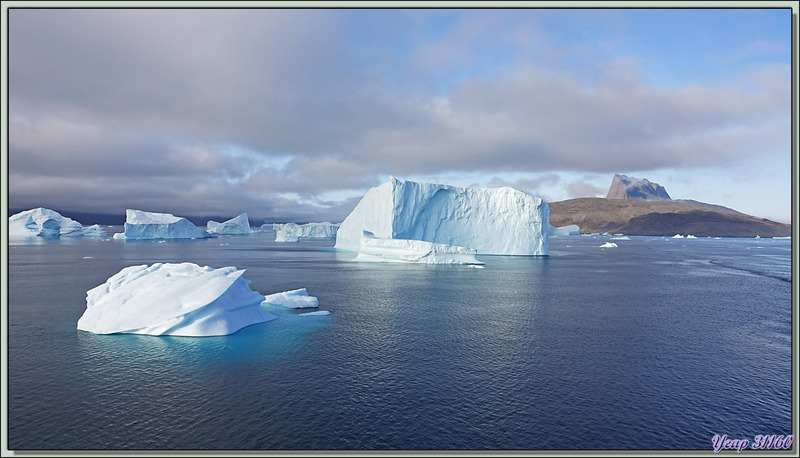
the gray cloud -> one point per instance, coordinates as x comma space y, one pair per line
206, 111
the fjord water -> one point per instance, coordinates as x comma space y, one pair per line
656, 344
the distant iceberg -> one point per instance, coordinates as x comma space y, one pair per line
375, 249
173, 299
320, 313
609, 245
235, 226
677, 236
571, 229
294, 299
148, 225
490, 221
43, 222
291, 232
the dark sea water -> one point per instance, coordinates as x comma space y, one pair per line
656, 344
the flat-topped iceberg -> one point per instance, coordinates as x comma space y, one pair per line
294, 299
490, 221
375, 249
234, 226
148, 225
43, 222
291, 232
173, 299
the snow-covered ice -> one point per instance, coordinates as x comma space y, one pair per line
43, 222
375, 249
609, 245
294, 299
571, 229
148, 225
490, 221
319, 313
291, 232
173, 299
234, 226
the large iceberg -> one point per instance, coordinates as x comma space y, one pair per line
375, 249
43, 222
291, 232
490, 221
235, 226
148, 225
173, 299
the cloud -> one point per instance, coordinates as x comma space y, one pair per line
272, 109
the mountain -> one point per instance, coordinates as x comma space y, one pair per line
662, 218
629, 188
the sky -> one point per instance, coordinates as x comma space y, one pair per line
292, 115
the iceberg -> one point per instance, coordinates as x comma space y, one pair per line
294, 299
43, 222
571, 229
609, 245
375, 249
491, 221
291, 232
147, 225
320, 313
234, 226
173, 299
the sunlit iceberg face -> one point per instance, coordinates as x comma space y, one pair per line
491, 221
173, 299
149, 225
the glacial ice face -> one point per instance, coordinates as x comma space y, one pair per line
148, 225
173, 299
43, 222
234, 226
571, 229
375, 249
490, 221
294, 299
291, 232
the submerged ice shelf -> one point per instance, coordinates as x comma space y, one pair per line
376, 249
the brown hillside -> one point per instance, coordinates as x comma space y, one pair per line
636, 217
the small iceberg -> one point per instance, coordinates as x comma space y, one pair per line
690, 236
295, 299
608, 245
147, 225
375, 249
291, 232
677, 236
175, 300
46, 223
621, 238
234, 226
571, 229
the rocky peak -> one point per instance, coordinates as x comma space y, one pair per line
624, 187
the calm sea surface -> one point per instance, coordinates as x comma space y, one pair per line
656, 344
